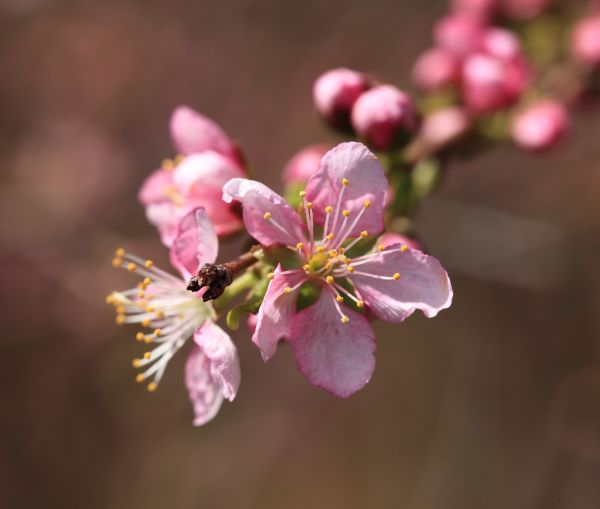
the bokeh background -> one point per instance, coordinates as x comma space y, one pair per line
494, 404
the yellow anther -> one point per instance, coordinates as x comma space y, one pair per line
345, 182
404, 248
345, 213
110, 299
141, 294
332, 253
360, 304
152, 386
309, 205
146, 281
341, 250
168, 164
131, 266
160, 313
396, 276
148, 340
148, 264
320, 249
267, 215
140, 336
328, 266
339, 298
306, 267
350, 268
157, 332
116, 262
364, 234
287, 289
150, 296
329, 280
329, 236
141, 303
179, 158
302, 194
270, 276
300, 245
150, 309
145, 323
120, 309
367, 203
348, 261
119, 252
380, 247
329, 209
344, 319
139, 378
136, 363
147, 356
120, 319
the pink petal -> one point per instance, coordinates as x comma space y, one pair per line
196, 243
193, 132
335, 356
203, 389
284, 226
359, 165
423, 284
274, 319
222, 355
155, 187
165, 216
203, 173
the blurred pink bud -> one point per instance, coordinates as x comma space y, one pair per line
251, 322
585, 42
435, 68
482, 8
490, 84
335, 92
391, 238
304, 163
502, 44
524, 9
459, 33
443, 127
192, 133
541, 125
384, 116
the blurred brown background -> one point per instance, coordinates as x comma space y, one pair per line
494, 404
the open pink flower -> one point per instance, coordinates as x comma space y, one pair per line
162, 304
208, 160
332, 340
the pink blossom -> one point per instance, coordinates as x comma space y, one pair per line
443, 127
209, 159
502, 44
585, 41
335, 92
390, 238
491, 83
304, 163
436, 68
541, 125
481, 8
459, 33
524, 9
162, 304
345, 197
384, 116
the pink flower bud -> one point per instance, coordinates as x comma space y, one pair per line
460, 34
481, 8
304, 163
335, 92
436, 68
442, 127
585, 42
384, 116
523, 9
541, 125
502, 44
490, 84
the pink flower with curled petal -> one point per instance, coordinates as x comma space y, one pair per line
195, 179
332, 339
174, 315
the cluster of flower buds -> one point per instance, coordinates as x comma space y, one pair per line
381, 114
